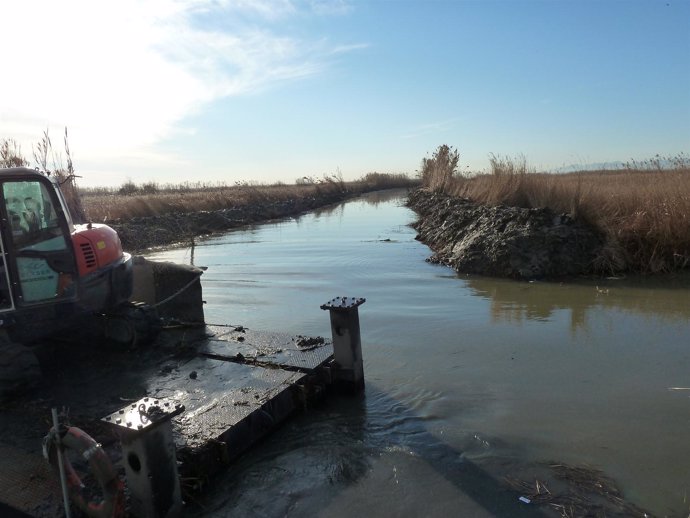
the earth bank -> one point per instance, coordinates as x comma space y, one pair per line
138, 234
504, 241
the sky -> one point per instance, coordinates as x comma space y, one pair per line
274, 90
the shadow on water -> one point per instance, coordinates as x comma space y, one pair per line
328, 462
450, 463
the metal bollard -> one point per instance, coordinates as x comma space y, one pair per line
347, 344
148, 450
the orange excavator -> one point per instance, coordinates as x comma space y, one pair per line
57, 278
53, 270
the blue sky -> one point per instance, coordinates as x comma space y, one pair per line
258, 90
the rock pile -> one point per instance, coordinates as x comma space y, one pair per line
503, 241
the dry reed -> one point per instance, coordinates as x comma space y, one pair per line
180, 199
574, 491
132, 200
46, 156
643, 209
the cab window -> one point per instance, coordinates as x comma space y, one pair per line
32, 217
38, 244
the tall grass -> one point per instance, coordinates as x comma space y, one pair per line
643, 209
50, 161
11, 154
440, 171
132, 200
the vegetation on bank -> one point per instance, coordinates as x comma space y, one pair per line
132, 200
46, 158
156, 200
642, 209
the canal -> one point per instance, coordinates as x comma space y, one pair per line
469, 379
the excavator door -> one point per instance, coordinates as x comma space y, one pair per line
37, 256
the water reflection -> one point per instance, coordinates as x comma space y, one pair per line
336, 210
379, 197
511, 301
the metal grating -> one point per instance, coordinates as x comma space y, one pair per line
218, 395
88, 254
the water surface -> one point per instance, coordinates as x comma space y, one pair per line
467, 377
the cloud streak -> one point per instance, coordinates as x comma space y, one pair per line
431, 128
123, 75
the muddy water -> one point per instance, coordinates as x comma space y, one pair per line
468, 378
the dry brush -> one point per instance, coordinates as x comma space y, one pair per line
643, 208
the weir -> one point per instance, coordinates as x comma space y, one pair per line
173, 414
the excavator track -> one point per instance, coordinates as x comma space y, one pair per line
19, 367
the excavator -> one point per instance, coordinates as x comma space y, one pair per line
53, 270
55, 275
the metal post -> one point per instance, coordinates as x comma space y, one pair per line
61, 463
347, 344
148, 450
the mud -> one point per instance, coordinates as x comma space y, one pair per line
504, 241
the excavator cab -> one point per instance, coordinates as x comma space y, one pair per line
36, 247
51, 269
72, 282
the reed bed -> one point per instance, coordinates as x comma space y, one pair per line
132, 200
102, 205
643, 208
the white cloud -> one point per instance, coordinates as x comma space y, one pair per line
122, 75
270, 9
330, 7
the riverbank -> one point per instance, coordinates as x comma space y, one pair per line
504, 241
140, 233
145, 221
642, 209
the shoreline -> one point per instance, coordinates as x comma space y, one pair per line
507, 242
469, 237
140, 234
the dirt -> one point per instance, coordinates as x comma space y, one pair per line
504, 241
138, 234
